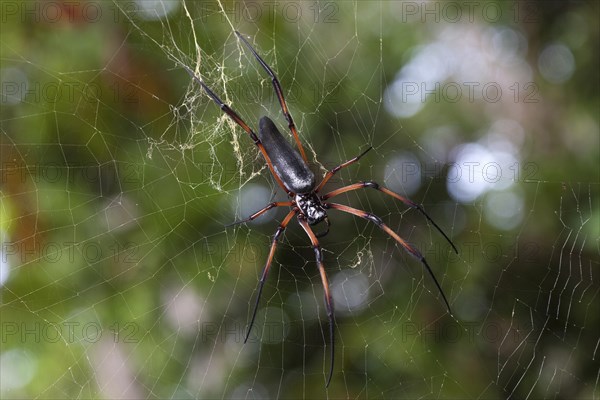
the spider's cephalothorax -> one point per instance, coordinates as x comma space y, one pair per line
310, 205
291, 172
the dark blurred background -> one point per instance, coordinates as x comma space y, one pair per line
120, 279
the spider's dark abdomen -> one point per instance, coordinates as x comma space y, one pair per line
287, 162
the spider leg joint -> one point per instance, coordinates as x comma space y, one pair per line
374, 218
371, 184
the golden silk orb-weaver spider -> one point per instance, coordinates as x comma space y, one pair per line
290, 170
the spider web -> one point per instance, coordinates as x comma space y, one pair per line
121, 279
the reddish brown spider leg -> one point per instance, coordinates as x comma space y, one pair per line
376, 186
329, 174
279, 93
265, 272
328, 298
262, 211
410, 249
238, 120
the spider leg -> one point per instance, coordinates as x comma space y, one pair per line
413, 251
279, 93
238, 120
265, 272
336, 169
376, 186
328, 298
261, 212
